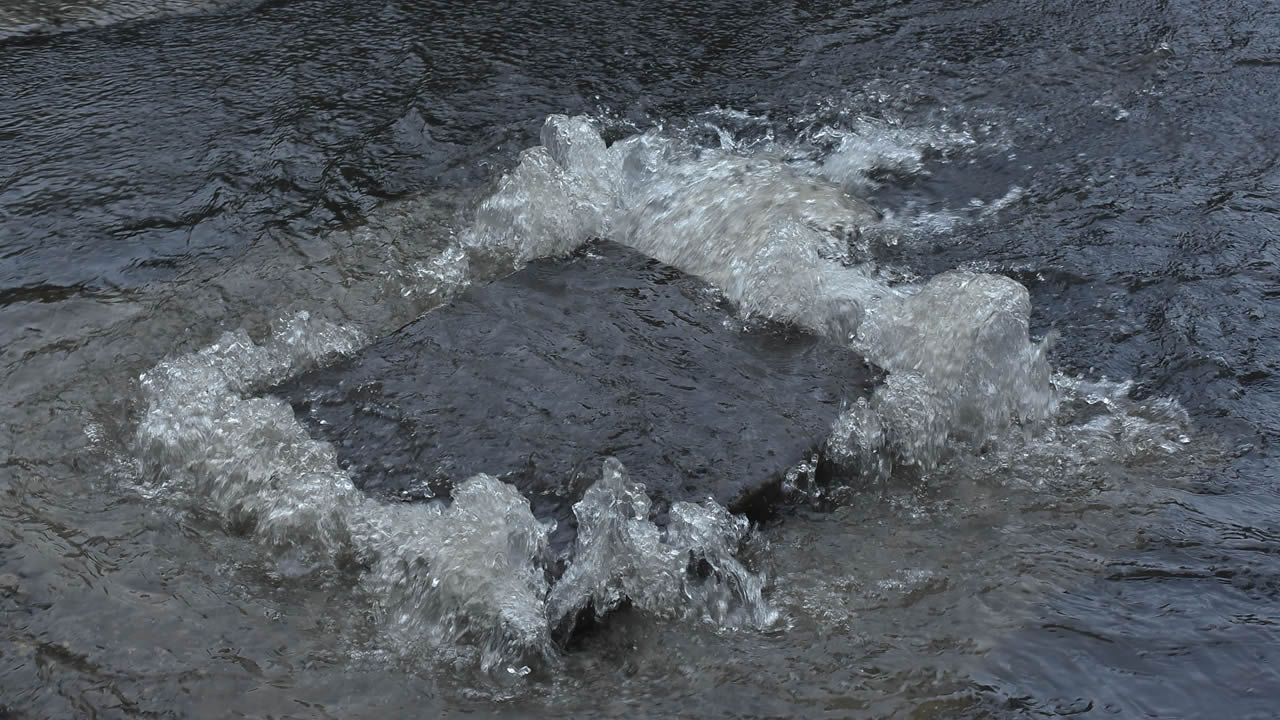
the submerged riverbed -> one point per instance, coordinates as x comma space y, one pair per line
1061, 500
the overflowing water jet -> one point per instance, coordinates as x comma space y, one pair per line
541, 376
578, 436
786, 246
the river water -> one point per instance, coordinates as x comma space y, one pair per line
1054, 225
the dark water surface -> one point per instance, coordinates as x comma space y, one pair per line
165, 179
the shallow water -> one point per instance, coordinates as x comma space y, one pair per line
181, 171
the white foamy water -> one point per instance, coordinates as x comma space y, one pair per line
467, 579
789, 246
626, 558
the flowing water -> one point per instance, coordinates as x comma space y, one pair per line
1050, 224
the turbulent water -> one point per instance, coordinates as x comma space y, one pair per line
1052, 227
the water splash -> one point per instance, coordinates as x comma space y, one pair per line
1096, 424
687, 570
466, 576
245, 457
788, 246
469, 580
962, 366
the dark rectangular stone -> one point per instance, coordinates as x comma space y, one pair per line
538, 377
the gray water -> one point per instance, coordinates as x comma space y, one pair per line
1053, 226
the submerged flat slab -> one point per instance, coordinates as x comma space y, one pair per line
538, 377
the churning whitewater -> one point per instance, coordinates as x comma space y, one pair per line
782, 237
788, 246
